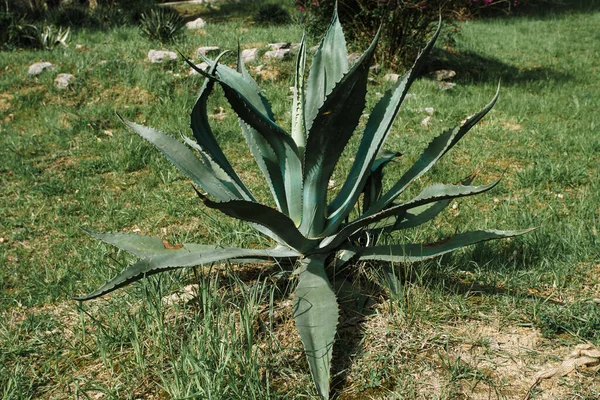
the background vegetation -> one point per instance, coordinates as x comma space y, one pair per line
456, 327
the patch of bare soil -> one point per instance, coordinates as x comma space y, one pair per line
5, 101
475, 360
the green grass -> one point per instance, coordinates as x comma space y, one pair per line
68, 162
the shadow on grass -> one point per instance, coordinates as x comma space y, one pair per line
472, 68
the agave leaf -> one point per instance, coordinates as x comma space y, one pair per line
181, 259
185, 160
329, 64
316, 315
281, 226
234, 184
374, 185
207, 144
298, 123
413, 217
417, 215
420, 252
340, 113
242, 82
144, 246
378, 127
267, 162
344, 255
431, 194
281, 150
436, 149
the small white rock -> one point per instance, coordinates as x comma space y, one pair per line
429, 110
198, 23
249, 55
204, 50
63, 81
374, 68
443, 85
39, 67
443, 74
279, 46
158, 56
280, 54
353, 58
391, 77
426, 121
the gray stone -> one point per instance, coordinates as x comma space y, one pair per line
249, 55
353, 58
443, 74
205, 50
63, 81
203, 66
426, 121
443, 85
158, 56
198, 23
39, 67
279, 46
280, 54
391, 77
429, 110
374, 68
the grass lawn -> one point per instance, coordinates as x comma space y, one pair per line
478, 324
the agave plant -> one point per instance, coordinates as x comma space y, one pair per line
306, 227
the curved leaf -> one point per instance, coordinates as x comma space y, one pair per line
420, 252
207, 144
281, 226
328, 135
185, 160
436, 149
329, 64
378, 127
144, 246
281, 150
181, 259
431, 194
298, 123
316, 315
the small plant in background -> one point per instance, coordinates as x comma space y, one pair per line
49, 37
162, 24
272, 14
406, 24
316, 234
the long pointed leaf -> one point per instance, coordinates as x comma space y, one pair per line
185, 160
420, 252
378, 128
180, 259
233, 184
207, 144
282, 145
431, 194
298, 123
316, 315
327, 137
436, 149
279, 224
144, 246
329, 64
